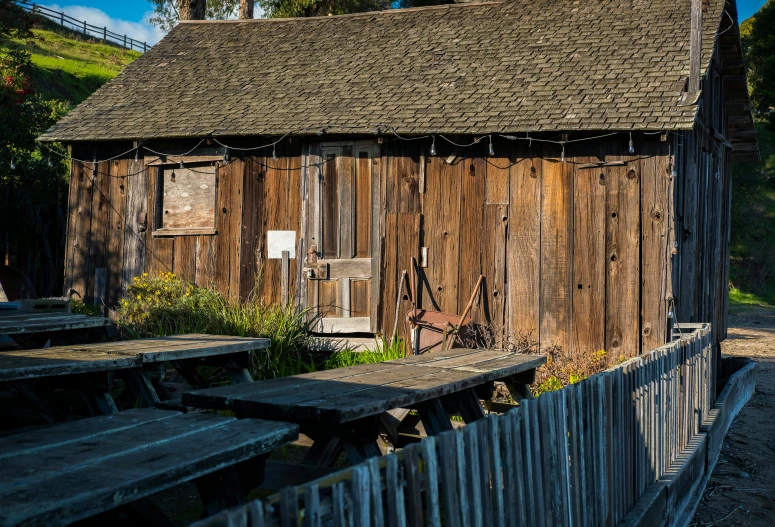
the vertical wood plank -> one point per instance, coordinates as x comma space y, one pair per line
655, 250
471, 218
589, 259
345, 167
136, 225
100, 208
496, 187
413, 487
119, 169
556, 251
431, 481
524, 247
494, 239
330, 206
441, 234
185, 257
623, 247
223, 225
362, 223
394, 485
235, 216
449, 476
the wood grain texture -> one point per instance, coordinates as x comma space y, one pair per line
556, 252
524, 251
114, 257
655, 250
623, 248
143, 457
135, 224
589, 258
471, 219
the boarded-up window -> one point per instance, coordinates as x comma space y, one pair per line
188, 197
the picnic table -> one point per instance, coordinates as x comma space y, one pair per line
85, 367
60, 474
340, 409
13, 322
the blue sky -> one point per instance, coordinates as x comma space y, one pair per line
131, 16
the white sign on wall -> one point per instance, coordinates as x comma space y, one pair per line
279, 241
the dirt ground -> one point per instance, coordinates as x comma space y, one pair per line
741, 490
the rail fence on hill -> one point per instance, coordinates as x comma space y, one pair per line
81, 26
583, 455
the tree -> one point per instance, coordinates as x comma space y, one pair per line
302, 8
32, 184
166, 12
759, 49
191, 9
246, 9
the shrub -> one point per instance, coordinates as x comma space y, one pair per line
167, 305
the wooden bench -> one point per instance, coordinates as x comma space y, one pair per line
60, 474
20, 323
341, 409
29, 373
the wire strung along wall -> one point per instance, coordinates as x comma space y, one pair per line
582, 455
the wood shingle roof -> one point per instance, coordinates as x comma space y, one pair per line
512, 66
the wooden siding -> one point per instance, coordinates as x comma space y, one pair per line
588, 254
702, 197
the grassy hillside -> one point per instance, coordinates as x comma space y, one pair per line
67, 67
752, 272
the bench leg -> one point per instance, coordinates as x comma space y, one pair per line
434, 418
141, 386
220, 490
187, 369
103, 402
324, 452
238, 375
469, 406
519, 392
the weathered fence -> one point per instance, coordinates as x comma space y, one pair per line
81, 26
579, 456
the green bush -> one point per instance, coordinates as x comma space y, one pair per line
167, 305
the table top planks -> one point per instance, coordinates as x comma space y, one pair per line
347, 394
18, 322
90, 358
64, 473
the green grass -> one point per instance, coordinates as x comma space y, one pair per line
752, 269
67, 67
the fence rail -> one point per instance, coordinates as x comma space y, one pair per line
583, 455
81, 26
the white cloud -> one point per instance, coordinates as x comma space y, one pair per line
140, 31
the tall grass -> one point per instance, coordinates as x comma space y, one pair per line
384, 350
167, 305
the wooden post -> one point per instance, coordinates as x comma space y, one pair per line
284, 277
62, 18
124, 41
695, 47
84, 28
104, 34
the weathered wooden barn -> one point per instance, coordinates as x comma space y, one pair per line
576, 153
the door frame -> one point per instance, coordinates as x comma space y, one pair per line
311, 204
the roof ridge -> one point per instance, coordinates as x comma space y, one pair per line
384, 12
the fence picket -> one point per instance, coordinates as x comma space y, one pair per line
449, 473
430, 473
583, 455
